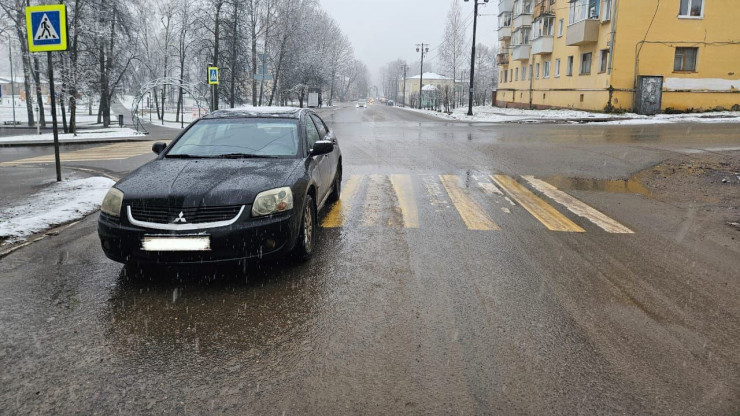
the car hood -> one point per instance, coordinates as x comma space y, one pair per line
205, 182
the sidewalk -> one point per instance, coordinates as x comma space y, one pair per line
488, 114
32, 201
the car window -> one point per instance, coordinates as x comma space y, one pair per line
320, 126
312, 135
250, 136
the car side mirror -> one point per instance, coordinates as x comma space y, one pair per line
322, 147
159, 147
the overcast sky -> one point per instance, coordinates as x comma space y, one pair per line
385, 30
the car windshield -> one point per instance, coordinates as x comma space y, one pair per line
239, 137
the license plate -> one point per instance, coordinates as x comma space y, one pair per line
199, 243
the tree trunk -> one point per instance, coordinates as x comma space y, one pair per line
254, 54
39, 100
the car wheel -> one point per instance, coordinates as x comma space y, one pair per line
306, 236
336, 189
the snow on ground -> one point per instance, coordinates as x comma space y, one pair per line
489, 114
82, 135
83, 117
55, 204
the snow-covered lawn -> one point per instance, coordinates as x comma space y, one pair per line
82, 135
489, 114
55, 204
83, 119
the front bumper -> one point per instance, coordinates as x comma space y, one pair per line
248, 238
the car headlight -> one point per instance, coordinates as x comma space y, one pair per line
272, 202
112, 203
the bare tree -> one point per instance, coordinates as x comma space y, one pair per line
452, 51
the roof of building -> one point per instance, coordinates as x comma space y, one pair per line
432, 76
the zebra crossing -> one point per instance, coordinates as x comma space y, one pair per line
117, 151
477, 201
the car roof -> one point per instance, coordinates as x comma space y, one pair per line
254, 112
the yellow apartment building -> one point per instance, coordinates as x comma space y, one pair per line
647, 56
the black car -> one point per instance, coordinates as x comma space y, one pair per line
237, 184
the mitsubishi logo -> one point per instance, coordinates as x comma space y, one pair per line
180, 219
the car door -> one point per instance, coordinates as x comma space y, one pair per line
321, 162
328, 135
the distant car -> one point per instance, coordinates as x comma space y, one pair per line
390, 103
237, 184
361, 104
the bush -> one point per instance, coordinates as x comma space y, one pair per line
735, 107
671, 110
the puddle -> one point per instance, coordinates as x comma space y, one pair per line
624, 186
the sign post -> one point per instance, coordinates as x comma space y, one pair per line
213, 82
46, 27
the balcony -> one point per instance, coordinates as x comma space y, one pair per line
583, 32
522, 20
521, 52
504, 33
543, 8
502, 59
505, 6
542, 45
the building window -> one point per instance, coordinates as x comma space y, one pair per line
569, 68
504, 20
586, 63
560, 28
523, 7
685, 59
606, 11
581, 10
511, 75
604, 60
530, 72
506, 76
557, 68
524, 72
537, 72
546, 69
516, 75
691, 8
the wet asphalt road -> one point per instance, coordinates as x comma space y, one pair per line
391, 319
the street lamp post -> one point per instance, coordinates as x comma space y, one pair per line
423, 48
472, 57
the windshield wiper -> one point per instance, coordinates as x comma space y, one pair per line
181, 156
243, 156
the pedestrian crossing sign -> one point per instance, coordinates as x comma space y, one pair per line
46, 27
213, 75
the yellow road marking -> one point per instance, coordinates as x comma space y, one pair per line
578, 207
546, 214
117, 151
470, 212
405, 194
337, 217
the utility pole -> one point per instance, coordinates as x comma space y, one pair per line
405, 68
423, 47
472, 58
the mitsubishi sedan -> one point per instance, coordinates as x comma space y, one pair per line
237, 184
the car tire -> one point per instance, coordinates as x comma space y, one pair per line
304, 245
336, 188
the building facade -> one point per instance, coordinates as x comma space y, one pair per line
437, 88
635, 55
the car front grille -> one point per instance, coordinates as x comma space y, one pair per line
197, 215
